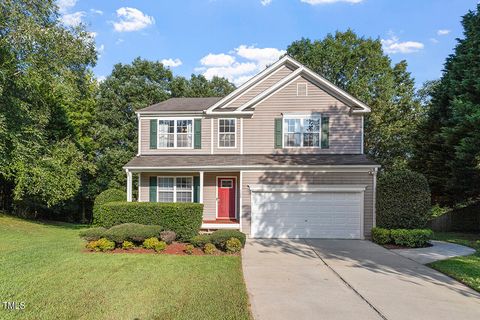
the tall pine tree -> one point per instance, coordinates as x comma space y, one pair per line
448, 149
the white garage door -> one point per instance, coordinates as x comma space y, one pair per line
336, 215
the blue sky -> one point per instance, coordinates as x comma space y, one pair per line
237, 38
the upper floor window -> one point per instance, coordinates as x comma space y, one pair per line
227, 133
175, 133
301, 132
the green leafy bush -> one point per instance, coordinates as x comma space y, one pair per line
438, 211
155, 244
128, 245
132, 232
109, 195
209, 248
200, 240
185, 219
101, 245
413, 238
93, 234
403, 200
381, 236
233, 245
168, 236
220, 237
188, 249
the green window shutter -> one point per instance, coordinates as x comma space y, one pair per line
197, 130
278, 133
325, 132
153, 134
153, 189
196, 189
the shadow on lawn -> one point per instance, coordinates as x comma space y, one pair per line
49, 223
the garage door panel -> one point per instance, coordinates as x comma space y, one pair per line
307, 215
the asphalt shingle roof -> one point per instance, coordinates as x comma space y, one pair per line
182, 104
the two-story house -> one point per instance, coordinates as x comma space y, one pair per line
280, 157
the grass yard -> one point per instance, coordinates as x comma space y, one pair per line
464, 269
42, 265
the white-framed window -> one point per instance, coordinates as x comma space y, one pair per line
175, 133
227, 133
302, 89
174, 189
301, 131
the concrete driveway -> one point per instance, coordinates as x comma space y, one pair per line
348, 279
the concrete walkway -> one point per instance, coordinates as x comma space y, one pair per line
348, 279
440, 250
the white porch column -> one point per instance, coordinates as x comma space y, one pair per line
201, 187
129, 186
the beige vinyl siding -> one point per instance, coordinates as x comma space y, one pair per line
309, 178
145, 140
345, 129
260, 87
209, 189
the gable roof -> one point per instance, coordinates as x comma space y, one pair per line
182, 104
300, 70
219, 105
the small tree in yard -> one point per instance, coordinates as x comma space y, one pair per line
403, 200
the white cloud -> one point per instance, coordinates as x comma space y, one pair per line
240, 64
72, 19
265, 2
99, 12
433, 40
93, 34
119, 40
65, 5
393, 45
172, 63
131, 19
101, 78
443, 32
217, 60
317, 2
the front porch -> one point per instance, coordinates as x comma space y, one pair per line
220, 193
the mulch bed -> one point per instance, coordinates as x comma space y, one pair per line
176, 248
396, 246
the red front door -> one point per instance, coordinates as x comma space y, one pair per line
226, 188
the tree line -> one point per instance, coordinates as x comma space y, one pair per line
64, 136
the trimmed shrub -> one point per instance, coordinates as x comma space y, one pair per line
101, 245
127, 245
233, 245
220, 237
188, 249
200, 240
155, 244
109, 195
403, 200
381, 236
168, 236
132, 232
185, 219
93, 234
209, 248
414, 238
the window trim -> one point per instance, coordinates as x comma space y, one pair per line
218, 133
301, 117
306, 89
175, 119
175, 187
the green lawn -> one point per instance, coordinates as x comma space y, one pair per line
42, 265
465, 269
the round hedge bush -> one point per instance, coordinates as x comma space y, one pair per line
110, 195
403, 200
